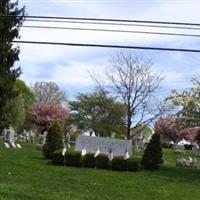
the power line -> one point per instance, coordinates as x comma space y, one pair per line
115, 24
107, 46
104, 19
113, 30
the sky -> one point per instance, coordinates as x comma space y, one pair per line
69, 66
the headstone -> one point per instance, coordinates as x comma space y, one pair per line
91, 144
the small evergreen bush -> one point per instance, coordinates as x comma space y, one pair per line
88, 160
119, 164
152, 157
73, 158
102, 161
58, 158
133, 164
54, 140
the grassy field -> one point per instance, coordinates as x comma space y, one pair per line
24, 175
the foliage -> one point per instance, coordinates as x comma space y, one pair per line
98, 113
19, 106
42, 114
54, 140
168, 128
152, 157
49, 92
188, 104
9, 54
102, 161
88, 160
58, 158
133, 164
119, 164
73, 158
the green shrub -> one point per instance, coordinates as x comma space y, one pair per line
133, 164
152, 157
73, 158
119, 164
88, 160
102, 161
58, 158
54, 140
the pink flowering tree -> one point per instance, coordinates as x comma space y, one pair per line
168, 128
42, 114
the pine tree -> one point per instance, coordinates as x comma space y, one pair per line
54, 140
152, 157
9, 54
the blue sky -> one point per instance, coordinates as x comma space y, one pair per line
69, 66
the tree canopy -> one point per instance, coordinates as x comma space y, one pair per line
187, 105
9, 54
98, 113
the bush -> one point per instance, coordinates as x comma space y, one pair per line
54, 140
166, 145
188, 146
88, 160
133, 164
58, 158
73, 158
152, 157
102, 161
119, 164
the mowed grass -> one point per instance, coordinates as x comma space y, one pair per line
26, 175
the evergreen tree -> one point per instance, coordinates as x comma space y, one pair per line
54, 140
152, 157
9, 54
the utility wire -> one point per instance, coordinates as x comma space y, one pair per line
103, 19
110, 23
113, 30
106, 46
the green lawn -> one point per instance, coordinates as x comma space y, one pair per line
24, 175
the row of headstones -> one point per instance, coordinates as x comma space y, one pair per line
9, 138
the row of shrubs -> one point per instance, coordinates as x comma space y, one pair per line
74, 158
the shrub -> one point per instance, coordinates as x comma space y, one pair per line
188, 146
88, 160
102, 161
54, 140
133, 164
58, 158
73, 158
166, 145
152, 157
119, 164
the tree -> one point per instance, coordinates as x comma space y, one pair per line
49, 92
132, 80
152, 157
98, 113
54, 140
187, 103
9, 54
168, 128
43, 114
19, 105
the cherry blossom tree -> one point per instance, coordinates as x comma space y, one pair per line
168, 128
42, 114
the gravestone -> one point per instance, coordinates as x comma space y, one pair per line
91, 144
42, 140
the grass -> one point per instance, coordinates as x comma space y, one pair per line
26, 175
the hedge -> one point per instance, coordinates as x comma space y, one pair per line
73, 158
58, 158
88, 160
102, 161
